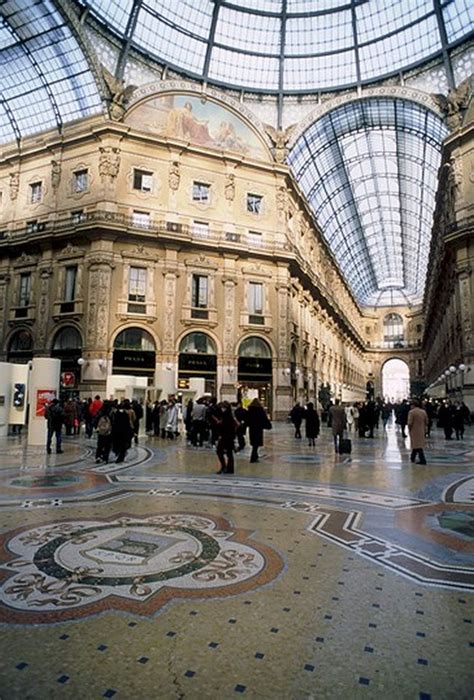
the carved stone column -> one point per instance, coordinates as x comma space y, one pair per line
43, 308
229, 369
466, 303
4, 281
281, 378
99, 292
170, 314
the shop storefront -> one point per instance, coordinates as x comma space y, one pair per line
134, 353
255, 372
198, 360
67, 347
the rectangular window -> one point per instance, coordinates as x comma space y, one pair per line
137, 285
141, 219
255, 298
200, 229
254, 203
77, 216
201, 192
36, 192
24, 290
80, 180
70, 283
200, 292
142, 180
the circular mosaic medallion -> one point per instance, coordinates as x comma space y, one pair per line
71, 569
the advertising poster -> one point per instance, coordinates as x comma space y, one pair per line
43, 398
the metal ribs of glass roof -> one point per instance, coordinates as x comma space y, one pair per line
289, 46
368, 170
46, 80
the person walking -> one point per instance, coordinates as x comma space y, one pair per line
225, 427
104, 434
338, 423
241, 418
417, 426
55, 416
296, 416
257, 421
122, 432
312, 424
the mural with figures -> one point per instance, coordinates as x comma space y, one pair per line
203, 123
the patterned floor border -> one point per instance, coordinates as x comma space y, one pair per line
341, 528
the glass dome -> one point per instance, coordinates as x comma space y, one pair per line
288, 46
46, 78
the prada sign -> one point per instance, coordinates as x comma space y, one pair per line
255, 366
134, 359
197, 363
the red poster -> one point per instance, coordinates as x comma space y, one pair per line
43, 398
68, 379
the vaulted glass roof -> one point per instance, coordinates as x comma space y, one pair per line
369, 170
45, 78
288, 46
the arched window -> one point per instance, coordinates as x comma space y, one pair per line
21, 341
134, 339
254, 347
197, 343
393, 328
20, 347
67, 338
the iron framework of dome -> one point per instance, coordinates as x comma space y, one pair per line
46, 79
369, 171
288, 46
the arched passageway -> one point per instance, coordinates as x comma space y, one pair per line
395, 380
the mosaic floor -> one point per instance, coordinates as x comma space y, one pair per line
307, 575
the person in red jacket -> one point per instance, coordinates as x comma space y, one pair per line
94, 408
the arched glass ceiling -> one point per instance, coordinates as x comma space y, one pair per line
288, 46
45, 78
369, 172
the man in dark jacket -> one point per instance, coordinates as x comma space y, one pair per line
55, 416
297, 415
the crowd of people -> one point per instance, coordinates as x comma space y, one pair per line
363, 418
224, 426
116, 424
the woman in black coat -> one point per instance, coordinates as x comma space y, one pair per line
225, 427
257, 421
312, 424
122, 432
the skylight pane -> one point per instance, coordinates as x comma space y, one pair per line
250, 69
114, 12
375, 19
169, 43
458, 17
248, 32
318, 72
319, 33
401, 49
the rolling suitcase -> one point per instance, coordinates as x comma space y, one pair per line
345, 446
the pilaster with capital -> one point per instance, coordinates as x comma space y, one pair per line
100, 282
466, 307
4, 281
170, 313
43, 308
